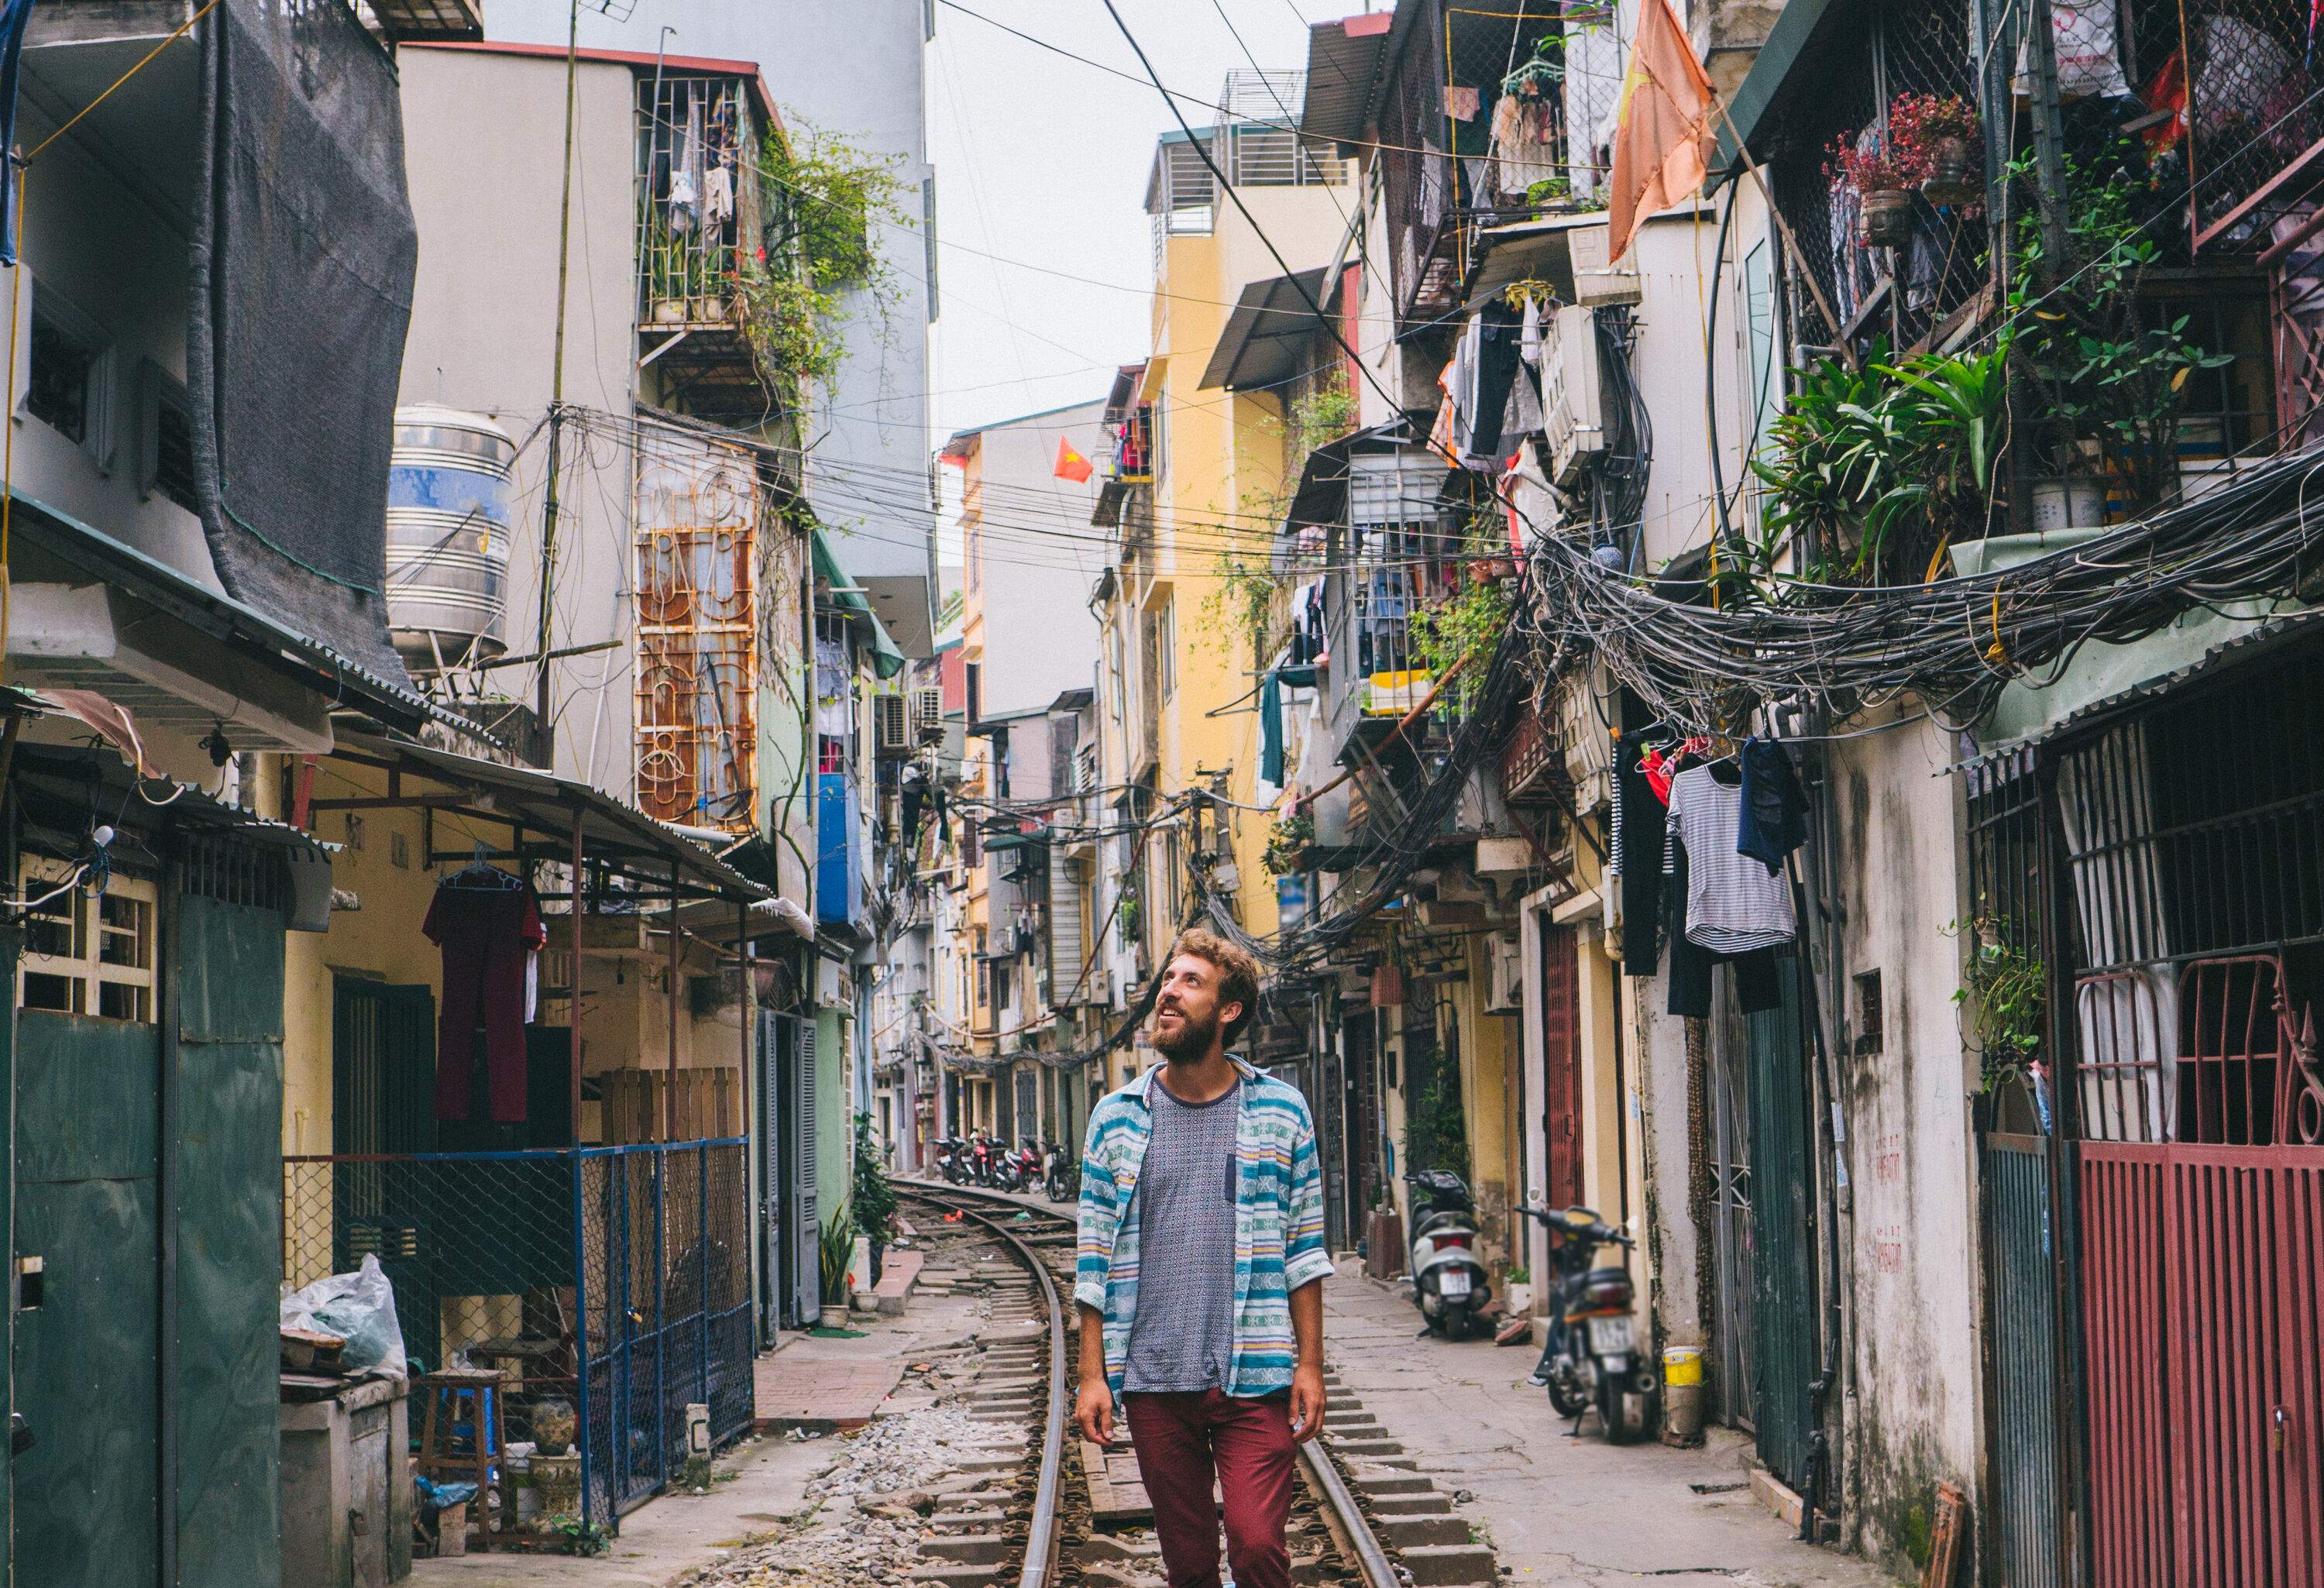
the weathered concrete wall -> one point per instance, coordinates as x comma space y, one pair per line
1914, 1380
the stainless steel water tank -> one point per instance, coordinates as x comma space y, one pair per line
450, 508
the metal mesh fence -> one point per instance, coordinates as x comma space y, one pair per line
609, 1304
1902, 288
1473, 131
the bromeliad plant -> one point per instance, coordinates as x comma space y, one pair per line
1874, 472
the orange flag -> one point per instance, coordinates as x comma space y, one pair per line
1661, 131
1071, 465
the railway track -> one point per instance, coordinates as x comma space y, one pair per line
1067, 1515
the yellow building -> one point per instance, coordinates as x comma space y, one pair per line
1198, 480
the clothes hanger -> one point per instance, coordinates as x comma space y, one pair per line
481, 876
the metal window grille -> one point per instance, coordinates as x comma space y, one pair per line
1447, 169
697, 628
1879, 52
698, 209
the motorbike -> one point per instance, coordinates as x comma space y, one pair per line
1056, 1172
1593, 1357
1018, 1168
984, 1158
951, 1160
1448, 1282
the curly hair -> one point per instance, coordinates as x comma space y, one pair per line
1238, 975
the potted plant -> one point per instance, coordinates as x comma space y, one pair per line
1519, 1290
1883, 190
1937, 133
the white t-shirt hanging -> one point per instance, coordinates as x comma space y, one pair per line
1732, 904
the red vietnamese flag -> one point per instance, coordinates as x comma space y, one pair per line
1661, 131
1071, 465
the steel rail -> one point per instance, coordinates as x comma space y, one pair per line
1041, 1542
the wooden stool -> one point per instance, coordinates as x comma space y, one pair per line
476, 1392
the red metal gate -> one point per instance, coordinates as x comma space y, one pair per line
1561, 1048
2205, 1390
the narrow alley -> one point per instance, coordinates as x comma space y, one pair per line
856, 790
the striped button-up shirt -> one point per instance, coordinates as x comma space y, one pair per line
1278, 1227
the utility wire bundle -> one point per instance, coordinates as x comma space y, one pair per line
1954, 642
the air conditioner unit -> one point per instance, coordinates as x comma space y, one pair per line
1572, 405
1600, 282
927, 712
1505, 980
891, 716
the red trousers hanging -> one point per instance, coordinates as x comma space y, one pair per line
486, 936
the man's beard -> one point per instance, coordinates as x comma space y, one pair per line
1192, 1041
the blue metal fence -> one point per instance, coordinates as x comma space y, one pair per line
612, 1284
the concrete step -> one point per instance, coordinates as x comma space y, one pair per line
956, 1576
1411, 1505
1409, 1532
1444, 1565
1384, 1481
1366, 1449
986, 1550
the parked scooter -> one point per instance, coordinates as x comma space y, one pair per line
1057, 1172
1593, 1357
1448, 1282
984, 1158
1019, 1169
951, 1160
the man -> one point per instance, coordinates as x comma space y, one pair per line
1202, 1246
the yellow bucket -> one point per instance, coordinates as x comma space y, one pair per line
1682, 1364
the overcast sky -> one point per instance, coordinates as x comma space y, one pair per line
1043, 160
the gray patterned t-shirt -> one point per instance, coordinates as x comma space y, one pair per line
1182, 1337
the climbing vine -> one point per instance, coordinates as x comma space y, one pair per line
826, 193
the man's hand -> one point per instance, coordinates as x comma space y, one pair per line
1093, 1409
1307, 1402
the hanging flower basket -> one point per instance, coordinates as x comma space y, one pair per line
1887, 215
1952, 178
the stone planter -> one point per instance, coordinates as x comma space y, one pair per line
1888, 220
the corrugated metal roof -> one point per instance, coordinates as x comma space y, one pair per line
1343, 62
2264, 636
545, 804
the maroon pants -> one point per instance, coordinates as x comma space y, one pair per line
1185, 1442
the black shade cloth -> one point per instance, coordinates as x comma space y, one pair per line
303, 255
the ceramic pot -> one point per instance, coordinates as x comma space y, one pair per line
1888, 217
1952, 173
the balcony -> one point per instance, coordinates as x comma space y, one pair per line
702, 217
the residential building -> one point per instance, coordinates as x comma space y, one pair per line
1882, 1189
197, 483
1194, 485
854, 72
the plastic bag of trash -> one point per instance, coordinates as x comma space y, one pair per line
442, 1496
358, 1308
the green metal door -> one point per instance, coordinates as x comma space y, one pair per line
87, 1198
227, 1191
149, 1184
1783, 1301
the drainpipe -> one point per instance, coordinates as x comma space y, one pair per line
1834, 1193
